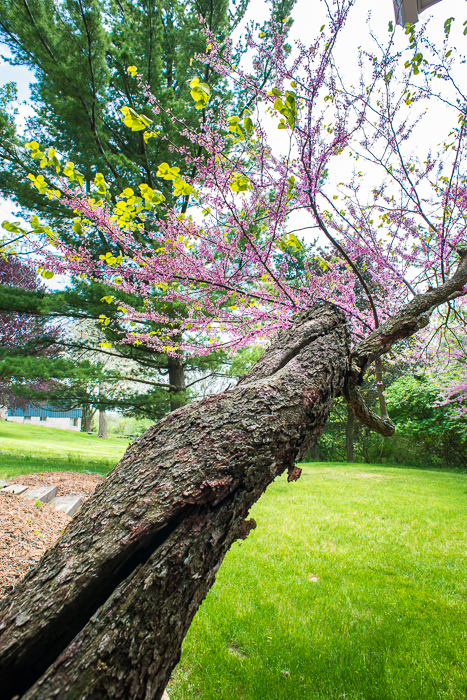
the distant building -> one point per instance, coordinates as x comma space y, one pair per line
49, 416
408, 10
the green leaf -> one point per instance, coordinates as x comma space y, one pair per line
240, 183
39, 183
235, 127
101, 184
133, 120
46, 274
151, 197
200, 92
447, 26
77, 228
168, 173
278, 105
182, 187
290, 241
13, 227
248, 125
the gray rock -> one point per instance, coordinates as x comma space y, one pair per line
67, 504
3, 484
15, 488
44, 493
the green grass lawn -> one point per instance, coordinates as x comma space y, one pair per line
353, 586
31, 448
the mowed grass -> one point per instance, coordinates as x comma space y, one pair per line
31, 448
352, 586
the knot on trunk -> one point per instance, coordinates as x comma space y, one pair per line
294, 473
245, 529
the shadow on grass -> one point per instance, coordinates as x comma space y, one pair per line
409, 464
12, 466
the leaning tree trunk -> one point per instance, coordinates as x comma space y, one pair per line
105, 611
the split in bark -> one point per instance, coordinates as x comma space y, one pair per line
105, 611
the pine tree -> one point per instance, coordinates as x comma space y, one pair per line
79, 51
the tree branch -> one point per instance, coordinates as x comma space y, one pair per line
413, 316
358, 406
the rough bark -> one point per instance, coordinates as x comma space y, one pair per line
358, 406
178, 383
349, 433
105, 611
102, 424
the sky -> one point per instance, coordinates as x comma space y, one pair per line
308, 16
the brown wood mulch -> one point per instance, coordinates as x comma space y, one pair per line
28, 530
69, 483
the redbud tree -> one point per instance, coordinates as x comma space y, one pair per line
22, 336
229, 258
390, 220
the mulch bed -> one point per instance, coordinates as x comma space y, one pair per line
27, 530
69, 483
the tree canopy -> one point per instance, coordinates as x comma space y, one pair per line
220, 250
79, 53
217, 275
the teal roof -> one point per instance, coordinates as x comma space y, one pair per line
48, 411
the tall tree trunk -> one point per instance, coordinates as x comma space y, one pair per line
102, 433
105, 611
86, 417
177, 380
349, 433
